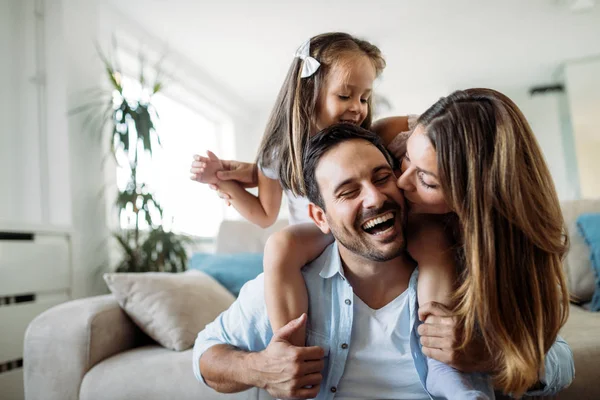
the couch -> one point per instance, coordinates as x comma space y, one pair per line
89, 349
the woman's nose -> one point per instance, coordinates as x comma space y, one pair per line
406, 181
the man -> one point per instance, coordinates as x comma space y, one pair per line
361, 328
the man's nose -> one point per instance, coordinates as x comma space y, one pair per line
406, 180
374, 198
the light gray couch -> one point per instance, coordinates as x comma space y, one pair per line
90, 350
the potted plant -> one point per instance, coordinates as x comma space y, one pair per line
132, 132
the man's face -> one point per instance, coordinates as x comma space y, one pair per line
364, 209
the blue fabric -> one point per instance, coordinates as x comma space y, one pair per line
246, 326
589, 227
230, 270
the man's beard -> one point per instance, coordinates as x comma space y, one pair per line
357, 241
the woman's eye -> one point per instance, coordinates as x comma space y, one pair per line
427, 185
344, 97
364, 101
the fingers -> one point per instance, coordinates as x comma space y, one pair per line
443, 343
227, 175
435, 320
308, 393
311, 367
212, 156
200, 158
436, 330
312, 353
286, 331
441, 355
433, 308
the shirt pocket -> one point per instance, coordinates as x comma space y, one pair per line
314, 338
318, 339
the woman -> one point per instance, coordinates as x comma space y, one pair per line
474, 158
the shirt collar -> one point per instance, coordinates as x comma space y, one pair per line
332, 262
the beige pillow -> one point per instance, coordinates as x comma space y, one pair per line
578, 266
170, 308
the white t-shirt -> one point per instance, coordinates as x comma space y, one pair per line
380, 364
297, 206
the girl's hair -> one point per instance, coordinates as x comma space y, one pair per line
513, 238
289, 125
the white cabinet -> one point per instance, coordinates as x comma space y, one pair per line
35, 274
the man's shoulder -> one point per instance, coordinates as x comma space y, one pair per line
327, 259
253, 289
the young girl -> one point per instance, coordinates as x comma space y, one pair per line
330, 81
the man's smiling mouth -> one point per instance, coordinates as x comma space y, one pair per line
380, 224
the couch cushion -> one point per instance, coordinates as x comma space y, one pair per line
149, 373
578, 267
582, 333
230, 270
170, 308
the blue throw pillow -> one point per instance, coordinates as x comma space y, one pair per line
230, 270
589, 227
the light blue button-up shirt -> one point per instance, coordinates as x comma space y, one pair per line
245, 325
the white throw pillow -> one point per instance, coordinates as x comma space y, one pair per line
170, 308
578, 265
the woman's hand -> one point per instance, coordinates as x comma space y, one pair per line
441, 337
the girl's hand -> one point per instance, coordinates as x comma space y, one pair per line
246, 174
221, 194
204, 169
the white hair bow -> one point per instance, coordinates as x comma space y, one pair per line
310, 64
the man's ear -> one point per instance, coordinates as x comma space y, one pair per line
317, 214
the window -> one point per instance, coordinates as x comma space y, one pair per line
184, 130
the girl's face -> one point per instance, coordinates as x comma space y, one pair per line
420, 179
344, 95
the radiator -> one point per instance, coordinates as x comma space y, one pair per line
35, 274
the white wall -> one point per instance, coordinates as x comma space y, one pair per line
20, 170
547, 114
583, 88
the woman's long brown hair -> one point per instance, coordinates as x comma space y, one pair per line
513, 291
289, 126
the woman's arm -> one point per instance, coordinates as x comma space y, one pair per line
286, 252
261, 210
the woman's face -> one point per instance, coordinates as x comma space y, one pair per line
420, 180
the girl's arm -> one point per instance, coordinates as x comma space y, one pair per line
394, 131
261, 210
430, 245
388, 128
286, 252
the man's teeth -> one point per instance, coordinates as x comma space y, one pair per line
379, 220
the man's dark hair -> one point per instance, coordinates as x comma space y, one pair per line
324, 141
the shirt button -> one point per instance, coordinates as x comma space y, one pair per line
333, 389
348, 301
344, 346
